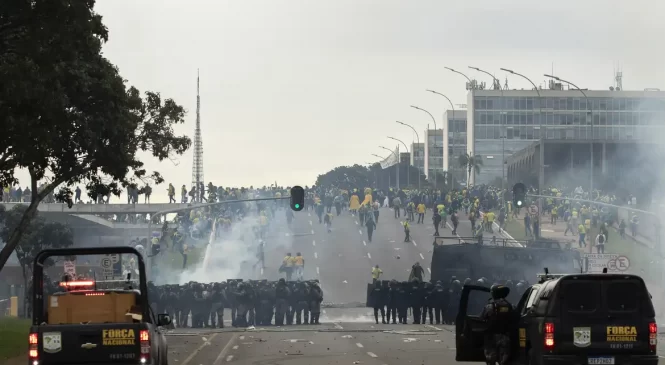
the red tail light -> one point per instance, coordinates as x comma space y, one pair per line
653, 336
144, 338
548, 329
33, 346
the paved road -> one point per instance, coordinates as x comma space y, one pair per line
339, 343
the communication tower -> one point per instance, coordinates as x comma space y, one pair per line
197, 165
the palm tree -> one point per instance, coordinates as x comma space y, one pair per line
470, 163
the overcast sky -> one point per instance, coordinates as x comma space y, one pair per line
291, 89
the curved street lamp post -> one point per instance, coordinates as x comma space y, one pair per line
427, 139
408, 178
414, 153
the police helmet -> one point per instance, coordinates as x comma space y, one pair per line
499, 291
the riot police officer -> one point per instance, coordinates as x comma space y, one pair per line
498, 314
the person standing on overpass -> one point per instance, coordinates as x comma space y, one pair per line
376, 274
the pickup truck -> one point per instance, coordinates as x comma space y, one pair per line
91, 321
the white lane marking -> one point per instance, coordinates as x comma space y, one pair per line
371, 354
414, 243
337, 326
316, 255
309, 214
312, 231
421, 256
241, 338
313, 243
364, 243
235, 347
359, 344
360, 232
261, 271
433, 327
430, 271
369, 256
310, 223
357, 222
225, 350
229, 358
317, 270
205, 343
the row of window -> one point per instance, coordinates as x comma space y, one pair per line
570, 103
570, 118
612, 133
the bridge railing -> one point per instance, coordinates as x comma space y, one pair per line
500, 241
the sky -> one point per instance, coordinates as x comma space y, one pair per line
291, 89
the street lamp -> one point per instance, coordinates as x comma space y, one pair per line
588, 103
457, 72
397, 156
445, 122
408, 178
382, 158
495, 80
414, 153
541, 173
427, 139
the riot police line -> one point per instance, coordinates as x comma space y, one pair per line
252, 303
439, 300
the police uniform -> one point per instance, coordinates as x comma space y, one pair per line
498, 314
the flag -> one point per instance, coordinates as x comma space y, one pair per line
391, 160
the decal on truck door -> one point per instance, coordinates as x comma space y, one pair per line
52, 342
582, 336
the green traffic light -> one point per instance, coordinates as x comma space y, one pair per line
297, 206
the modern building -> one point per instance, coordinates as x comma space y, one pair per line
418, 155
502, 123
433, 152
455, 144
405, 158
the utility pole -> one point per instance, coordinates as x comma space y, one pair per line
197, 165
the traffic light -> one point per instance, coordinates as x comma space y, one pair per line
297, 198
519, 195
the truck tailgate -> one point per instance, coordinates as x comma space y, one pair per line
97, 343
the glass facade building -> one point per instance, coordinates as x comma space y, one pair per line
503, 122
455, 144
418, 155
433, 152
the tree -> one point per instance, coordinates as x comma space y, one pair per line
346, 177
472, 163
41, 235
67, 115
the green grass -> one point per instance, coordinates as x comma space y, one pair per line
14, 337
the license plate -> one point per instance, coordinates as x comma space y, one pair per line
606, 360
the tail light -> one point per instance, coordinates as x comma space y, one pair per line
144, 338
653, 336
33, 346
549, 336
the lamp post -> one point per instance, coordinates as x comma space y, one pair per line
408, 177
383, 158
541, 173
427, 139
414, 158
445, 123
397, 156
588, 104
495, 81
457, 72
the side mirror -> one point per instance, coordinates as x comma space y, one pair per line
163, 320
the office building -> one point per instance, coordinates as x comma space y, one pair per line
433, 152
502, 123
418, 155
455, 144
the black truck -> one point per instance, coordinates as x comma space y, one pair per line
101, 317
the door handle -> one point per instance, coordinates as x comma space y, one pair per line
88, 346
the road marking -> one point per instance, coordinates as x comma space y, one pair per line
229, 358
433, 327
310, 223
364, 243
242, 338
421, 256
317, 270
371, 354
369, 256
356, 222
205, 343
313, 243
360, 232
337, 326
261, 271
359, 344
316, 255
225, 350
414, 243
430, 271
312, 231
235, 347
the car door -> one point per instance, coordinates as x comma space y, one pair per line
524, 314
469, 328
